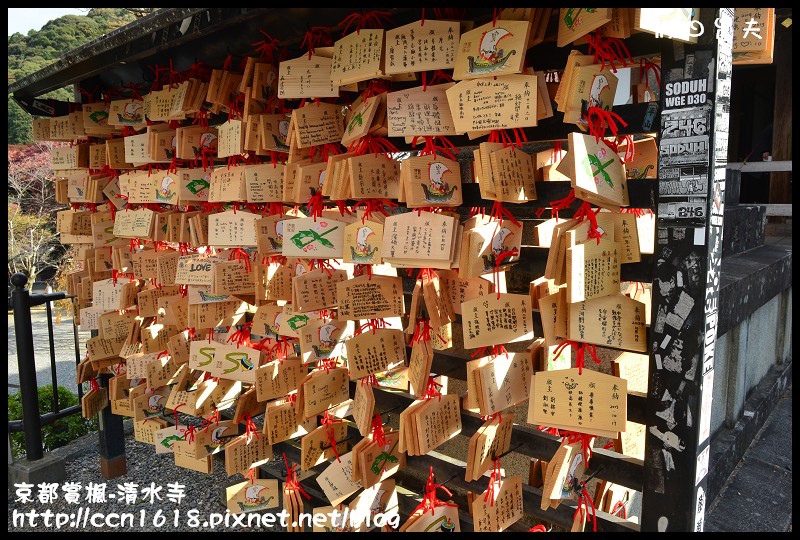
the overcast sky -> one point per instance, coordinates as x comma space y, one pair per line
23, 19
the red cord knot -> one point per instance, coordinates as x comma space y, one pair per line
495, 479
598, 120
250, 429
361, 21
585, 211
608, 50
585, 440
316, 36
430, 500
240, 254
291, 482
267, 47
242, 335
188, 434
432, 389
378, 435
580, 350
436, 144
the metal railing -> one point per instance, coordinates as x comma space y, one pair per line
32, 421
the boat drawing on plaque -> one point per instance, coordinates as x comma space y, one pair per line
439, 191
492, 56
327, 343
498, 239
256, 498
363, 252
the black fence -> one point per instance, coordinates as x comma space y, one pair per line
21, 302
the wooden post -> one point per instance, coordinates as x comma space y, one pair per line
780, 190
693, 143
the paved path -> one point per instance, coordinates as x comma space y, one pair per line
64, 347
758, 495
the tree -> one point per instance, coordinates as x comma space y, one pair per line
40, 48
33, 244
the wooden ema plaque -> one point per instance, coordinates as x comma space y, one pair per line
369, 352
370, 297
616, 321
591, 402
357, 57
420, 112
596, 170
509, 101
489, 321
593, 270
317, 124
337, 481
306, 77
498, 508
494, 49
421, 46
252, 496
491, 440
503, 382
576, 22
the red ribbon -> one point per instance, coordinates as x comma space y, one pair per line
646, 66
328, 421
432, 389
638, 212
250, 428
550, 430
374, 206
251, 475
499, 213
446, 148
89, 95
559, 204
213, 418
619, 510
429, 499
494, 351
241, 255
494, 478
538, 528
362, 269
501, 135
608, 49
585, 211
279, 351
584, 496
316, 36
175, 413
364, 20
580, 349
378, 435
570, 437
315, 205
372, 325
372, 145
93, 384
439, 77
422, 331
599, 120
370, 380
188, 434
267, 47
291, 482
241, 336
